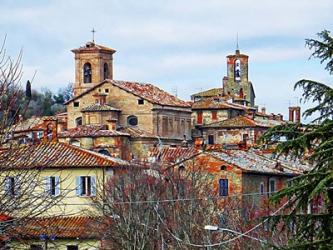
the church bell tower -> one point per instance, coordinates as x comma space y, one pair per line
237, 84
93, 64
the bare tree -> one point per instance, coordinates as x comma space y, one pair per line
23, 192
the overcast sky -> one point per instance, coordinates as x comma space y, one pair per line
178, 45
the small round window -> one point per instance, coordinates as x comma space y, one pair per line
132, 120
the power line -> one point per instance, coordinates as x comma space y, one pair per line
222, 242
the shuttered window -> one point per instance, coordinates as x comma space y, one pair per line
52, 185
86, 186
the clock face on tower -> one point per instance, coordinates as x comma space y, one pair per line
237, 72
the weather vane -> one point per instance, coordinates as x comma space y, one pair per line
93, 34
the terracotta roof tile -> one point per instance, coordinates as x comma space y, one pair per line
58, 227
33, 123
242, 121
55, 155
90, 131
146, 91
171, 154
254, 161
91, 47
209, 93
216, 103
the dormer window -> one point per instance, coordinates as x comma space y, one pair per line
106, 71
87, 73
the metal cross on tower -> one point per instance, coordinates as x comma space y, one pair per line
93, 34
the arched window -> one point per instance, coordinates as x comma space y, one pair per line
132, 120
104, 152
87, 73
106, 71
78, 121
75, 142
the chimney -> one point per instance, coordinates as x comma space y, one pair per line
291, 114
298, 114
263, 110
295, 114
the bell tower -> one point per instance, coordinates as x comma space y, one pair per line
93, 64
237, 84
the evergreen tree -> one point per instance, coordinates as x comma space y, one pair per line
314, 141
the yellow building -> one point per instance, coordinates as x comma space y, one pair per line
54, 180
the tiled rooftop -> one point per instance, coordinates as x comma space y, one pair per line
146, 91
171, 154
216, 103
91, 46
253, 161
33, 123
209, 93
243, 122
90, 131
55, 155
98, 108
58, 227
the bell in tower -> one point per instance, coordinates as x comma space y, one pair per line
237, 84
93, 64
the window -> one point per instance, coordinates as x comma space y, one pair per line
106, 90
52, 185
132, 120
272, 185
40, 134
87, 73
223, 168
141, 101
262, 188
214, 115
106, 71
104, 152
76, 104
72, 247
223, 187
78, 121
86, 185
11, 185
210, 139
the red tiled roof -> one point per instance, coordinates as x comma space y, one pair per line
216, 103
90, 131
235, 122
242, 122
146, 91
209, 93
33, 123
91, 47
55, 155
172, 154
58, 227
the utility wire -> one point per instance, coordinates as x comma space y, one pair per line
222, 242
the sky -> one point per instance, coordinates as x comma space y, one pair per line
178, 45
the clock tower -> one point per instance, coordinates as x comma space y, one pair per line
237, 84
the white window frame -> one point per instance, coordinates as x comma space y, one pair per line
52, 185
86, 186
